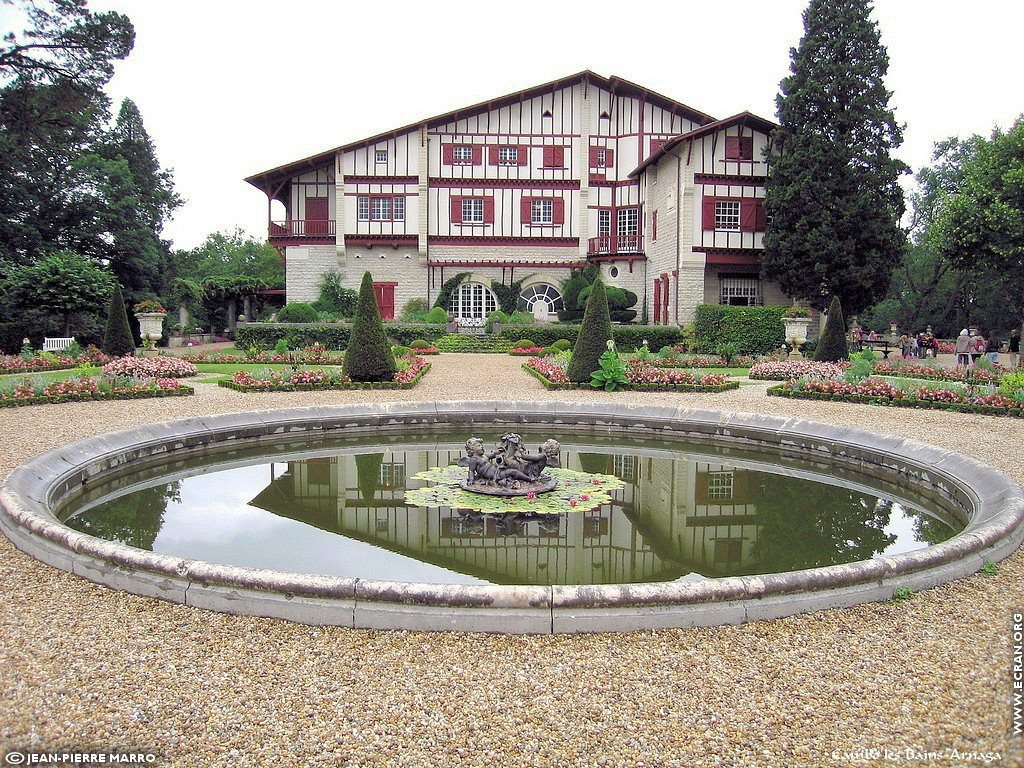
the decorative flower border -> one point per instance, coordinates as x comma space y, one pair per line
784, 390
130, 394
549, 384
314, 386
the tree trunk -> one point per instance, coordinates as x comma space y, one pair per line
65, 328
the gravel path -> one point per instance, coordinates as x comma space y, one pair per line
83, 666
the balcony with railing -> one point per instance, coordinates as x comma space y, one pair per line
303, 229
614, 244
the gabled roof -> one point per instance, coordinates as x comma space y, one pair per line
613, 84
747, 119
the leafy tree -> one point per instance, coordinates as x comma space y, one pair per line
118, 339
595, 333
369, 356
833, 200
64, 284
832, 345
340, 300
135, 519
981, 227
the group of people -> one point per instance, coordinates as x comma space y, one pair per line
971, 345
921, 345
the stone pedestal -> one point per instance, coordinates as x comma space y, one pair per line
151, 327
796, 333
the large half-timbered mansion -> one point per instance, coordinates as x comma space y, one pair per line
666, 199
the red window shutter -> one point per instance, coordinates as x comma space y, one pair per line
558, 211
492, 155
446, 154
555, 157
732, 147
702, 488
708, 213
748, 216
593, 157
523, 155
654, 225
488, 210
548, 154
760, 218
456, 210
478, 155
746, 148
526, 210
609, 158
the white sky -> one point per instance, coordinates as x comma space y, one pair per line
228, 88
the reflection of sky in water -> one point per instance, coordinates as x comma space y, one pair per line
214, 522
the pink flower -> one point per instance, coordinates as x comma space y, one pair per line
595, 481
531, 495
572, 502
585, 497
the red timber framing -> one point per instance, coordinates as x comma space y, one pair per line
371, 241
730, 256
555, 242
752, 215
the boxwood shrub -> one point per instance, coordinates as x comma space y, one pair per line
331, 335
754, 330
627, 337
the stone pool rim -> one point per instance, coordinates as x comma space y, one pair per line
32, 490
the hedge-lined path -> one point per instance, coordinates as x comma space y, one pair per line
81, 665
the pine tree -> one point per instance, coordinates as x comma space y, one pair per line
833, 200
369, 356
595, 333
118, 339
832, 345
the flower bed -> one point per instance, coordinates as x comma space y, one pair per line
426, 350
918, 371
642, 376
50, 362
784, 370
879, 392
150, 367
29, 392
315, 354
526, 351
300, 380
691, 361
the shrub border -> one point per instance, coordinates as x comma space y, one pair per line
15, 402
229, 384
985, 410
549, 384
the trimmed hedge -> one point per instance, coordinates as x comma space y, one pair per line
117, 338
229, 384
595, 334
332, 335
754, 330
627, 337
465, 342
369, 356
832, 345
10, 402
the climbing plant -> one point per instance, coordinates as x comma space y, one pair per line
444, 296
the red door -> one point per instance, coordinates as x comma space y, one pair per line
316, 216
385, 293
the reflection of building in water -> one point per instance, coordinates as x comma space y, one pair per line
673, 517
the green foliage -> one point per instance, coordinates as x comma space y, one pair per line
495, 317
298, 312
524, 344
727, 351
281, 348
612, 373
626, 337
572, 286
521, 318
862, 365
989, 568
368, 475
448, 287
419, 344
595, 334
437, 315
754, 330
118, 339
64, 284
796, 312
369, 356
833, 200
508, 295
464, 342
333, 336
903, 593
11, 335
415, 310
335, 298
832, 345
1012, 385
399, 350
562, 344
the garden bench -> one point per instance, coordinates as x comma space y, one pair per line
881, 345
57, 343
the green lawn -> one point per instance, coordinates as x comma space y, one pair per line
229, 369
48, 376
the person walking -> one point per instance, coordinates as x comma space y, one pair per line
1013, 347
992, 347
977, 345
963, 349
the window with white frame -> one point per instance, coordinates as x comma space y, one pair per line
398, 209
540, 292
727, 214
508, 155
624, 468
472, 210
462, 154
392, 475
720, 486
604, 223
363, 209
542, 211
380, 209
381, 155
629, 219
601, 156
741, 291
472, 301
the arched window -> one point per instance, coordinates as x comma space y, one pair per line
472, 301
540, 299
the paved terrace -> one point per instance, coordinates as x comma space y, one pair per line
81, 665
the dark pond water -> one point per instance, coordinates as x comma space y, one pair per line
683, 512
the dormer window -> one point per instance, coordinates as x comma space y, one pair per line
739, 148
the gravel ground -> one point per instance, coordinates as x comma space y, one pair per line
83, 666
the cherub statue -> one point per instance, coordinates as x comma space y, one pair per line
482, 469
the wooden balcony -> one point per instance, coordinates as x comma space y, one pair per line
614, 244
303, 229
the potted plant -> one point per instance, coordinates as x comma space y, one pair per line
151, 316
796, 319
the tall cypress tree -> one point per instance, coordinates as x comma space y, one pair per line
369, 356
118, 339
833, 199
595, 333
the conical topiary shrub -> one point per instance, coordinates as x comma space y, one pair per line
832, 345
595, 333
369, 356
118, 339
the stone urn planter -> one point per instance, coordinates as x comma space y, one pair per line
151, 327
796, 333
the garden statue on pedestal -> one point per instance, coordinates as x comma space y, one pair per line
509, 470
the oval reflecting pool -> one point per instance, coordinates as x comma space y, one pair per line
677, 511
